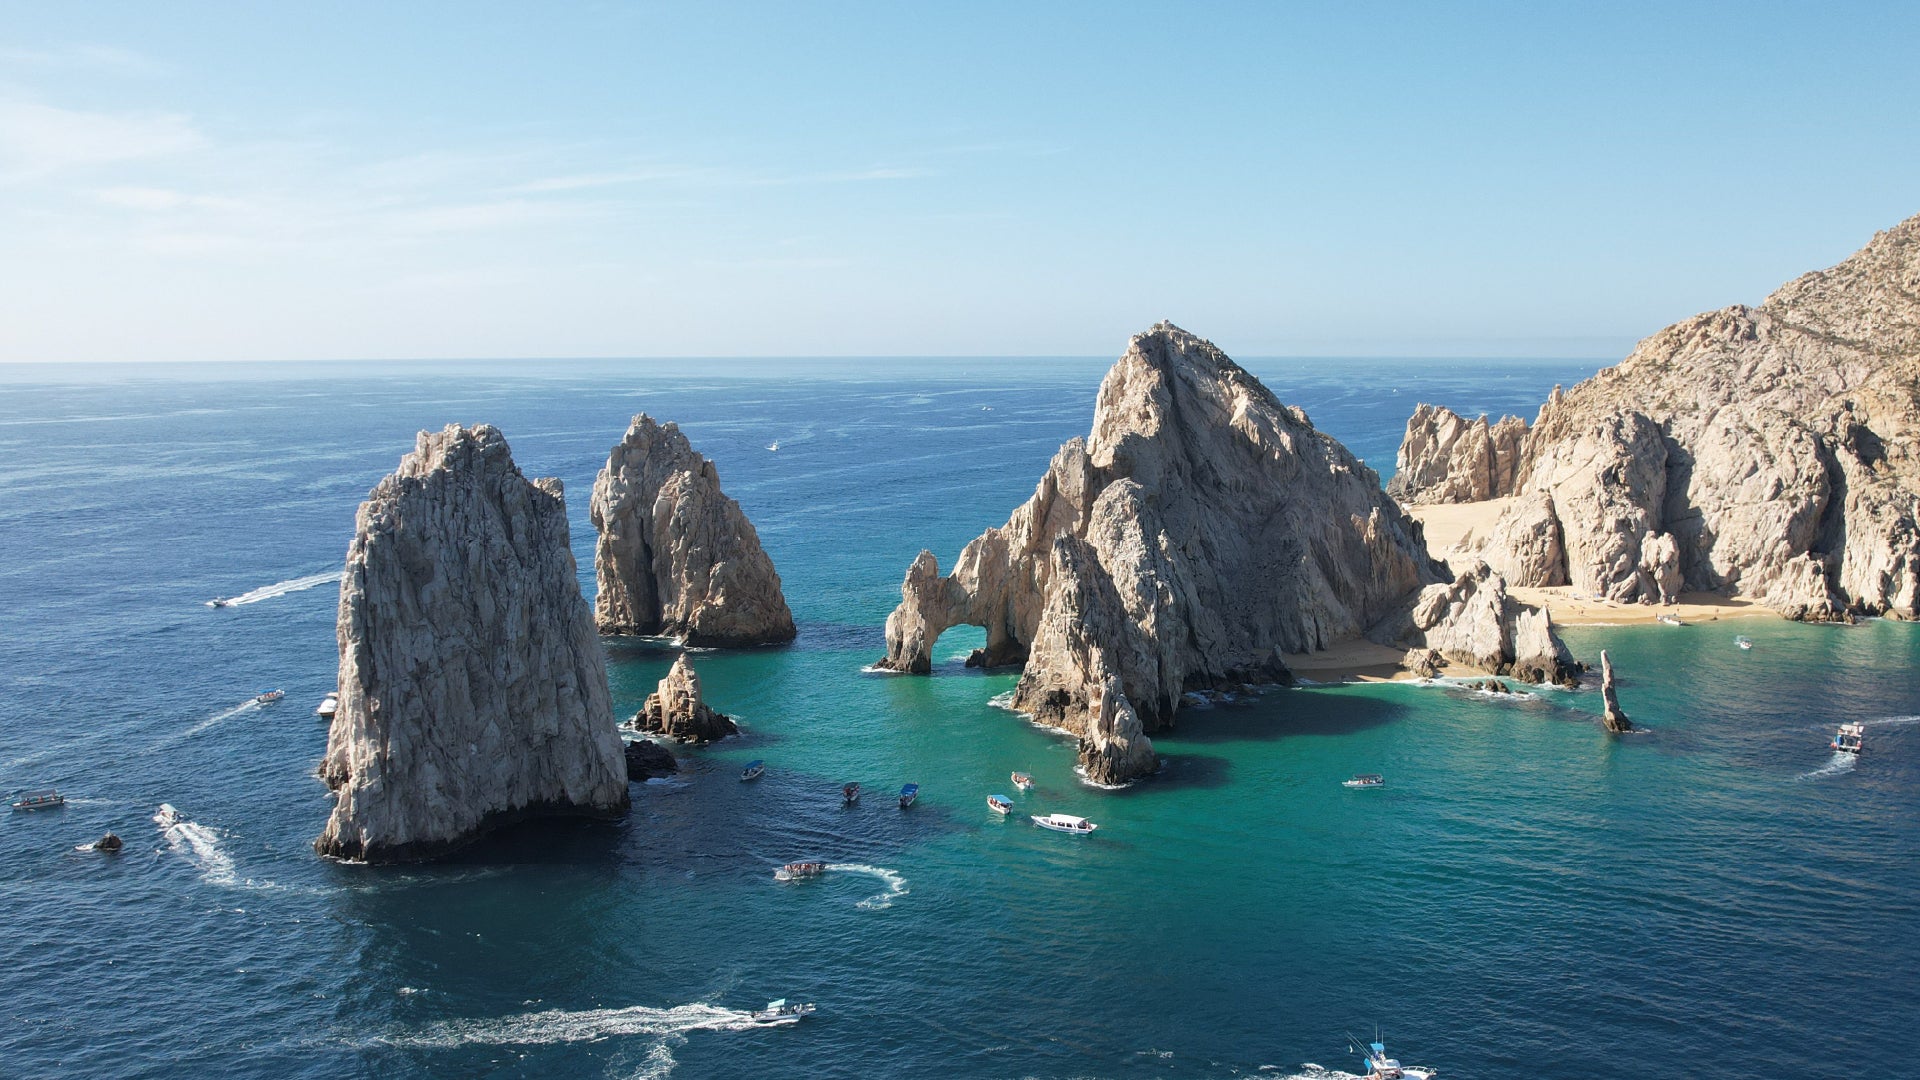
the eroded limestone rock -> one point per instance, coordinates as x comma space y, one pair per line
675, 555
473, 691
1615, 720
675, 709
1446, 458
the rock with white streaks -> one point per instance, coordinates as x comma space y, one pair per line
675, 555
473, 691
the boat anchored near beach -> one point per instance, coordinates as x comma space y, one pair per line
1850, 739
781, 1011
1668, 620
1065, 823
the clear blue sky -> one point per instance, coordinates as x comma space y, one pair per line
303, 181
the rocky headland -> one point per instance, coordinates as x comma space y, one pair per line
1767, 451
473, 689
675, 709
676, 556
1200, 531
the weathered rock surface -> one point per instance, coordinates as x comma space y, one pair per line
1423, 663
1615, 720
647, 759
676, 556
1769, 451
110, 843
676, 710
1474, 622
1199, 531
1446, 458
473, 691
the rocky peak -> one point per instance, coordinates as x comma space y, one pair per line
676, 709
675, 555
473, 690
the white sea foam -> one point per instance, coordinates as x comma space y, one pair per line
896, 885
282, 588
1081, 772
199, 844
1839, 765
562, 1026
1891, 721
1003, 701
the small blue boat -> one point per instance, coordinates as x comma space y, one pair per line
909, 793
753, 770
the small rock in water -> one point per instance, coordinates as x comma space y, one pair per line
647, 759
108, 843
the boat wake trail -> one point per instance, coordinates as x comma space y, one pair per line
896, 885
225, 714
1891, 721
561, 1026
280, 588
199, 844
1841, 764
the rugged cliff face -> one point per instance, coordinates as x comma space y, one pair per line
1770, 451
473, 691
1447, 458
1200, 530
675, 555
675, 709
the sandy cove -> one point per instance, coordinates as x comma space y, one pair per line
1450, 530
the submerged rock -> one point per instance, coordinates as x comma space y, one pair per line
647, 759
1212, 529
109, 844
1615, 720
473, 691
675, 555
676, 710
1772, 451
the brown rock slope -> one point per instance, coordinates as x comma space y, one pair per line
1769, 451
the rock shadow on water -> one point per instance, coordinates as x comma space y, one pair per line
1178, 770
1280, 715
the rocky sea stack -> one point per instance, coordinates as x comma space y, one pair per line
675, 556
473, 690
1771, 451
1200, 531
675, 709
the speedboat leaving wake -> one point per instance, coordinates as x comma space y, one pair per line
896, 885
199, 844
278, 588
561, 1026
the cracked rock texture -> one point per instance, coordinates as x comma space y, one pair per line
473, 691
675, 555
1769, 451
1199, 531
1445, 458
675, 709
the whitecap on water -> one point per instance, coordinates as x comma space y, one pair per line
896, 885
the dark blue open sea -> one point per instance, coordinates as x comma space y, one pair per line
1527, 897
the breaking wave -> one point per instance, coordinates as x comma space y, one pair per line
280, 588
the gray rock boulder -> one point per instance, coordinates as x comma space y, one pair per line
675, 709
473, 691
1473, 621
675, 555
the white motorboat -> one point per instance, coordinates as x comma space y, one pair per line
1365, 780
1065, 823
795, 871
1023, 781
1000, 804
1850, 739
267, 697
781, 1011
1668, 620
1743, 641
327, 707
774, 446
1382, 1067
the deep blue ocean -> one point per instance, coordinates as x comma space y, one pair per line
1527, 897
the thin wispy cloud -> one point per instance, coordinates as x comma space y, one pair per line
37, 140
99, 59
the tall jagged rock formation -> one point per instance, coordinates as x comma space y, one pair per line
1445, 457
1769, 451
675, 555
1201, 530
675, 709
473, 691
1615, 720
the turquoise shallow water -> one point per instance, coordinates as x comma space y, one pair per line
1527, 897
